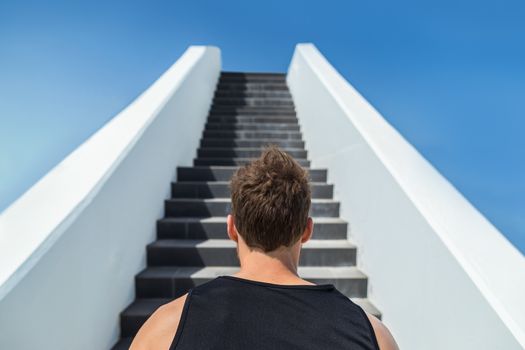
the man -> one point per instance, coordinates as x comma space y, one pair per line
265, 305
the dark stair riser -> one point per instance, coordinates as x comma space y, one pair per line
222, 190
191, 228
253, 119
240, 100
124, 343
247, 135
206, 173
252, 102
250, 143
214, 207
240, 87
253, 80
252, 126
227, 256
270, 112
243, 153
253, 109
235, 161
173, 287
267, 75
252, 94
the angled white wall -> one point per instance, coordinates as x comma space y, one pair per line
71, 246
441, 274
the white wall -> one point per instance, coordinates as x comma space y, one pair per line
71, 246
441, 274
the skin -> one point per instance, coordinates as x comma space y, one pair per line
278, 266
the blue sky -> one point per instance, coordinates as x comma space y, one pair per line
449, 75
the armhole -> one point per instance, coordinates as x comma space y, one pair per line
370, 327
182, 322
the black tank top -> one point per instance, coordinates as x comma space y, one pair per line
234, 313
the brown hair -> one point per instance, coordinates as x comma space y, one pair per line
271, 200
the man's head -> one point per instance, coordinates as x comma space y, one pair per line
271, 200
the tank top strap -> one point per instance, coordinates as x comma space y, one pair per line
182, 320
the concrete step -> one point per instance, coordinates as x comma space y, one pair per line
241, 100
252, 126
236, 161
240, 86
172, 282
215, 227
245, 110
141, 309
261, 114
134, 316
221, 189
222, 252
125, 343
207, 207
253, 79
250, 134
265, 75
250, 143
225, 172
244, 152
253, 119
252, 102
281, 94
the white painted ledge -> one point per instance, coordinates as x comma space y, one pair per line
69, 246
441, 274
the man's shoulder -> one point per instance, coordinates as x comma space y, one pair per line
384, 337
160, 328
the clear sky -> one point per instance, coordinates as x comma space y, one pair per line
449, 75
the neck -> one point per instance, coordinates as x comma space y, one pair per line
278, 266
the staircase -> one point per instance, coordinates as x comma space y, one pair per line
249, 110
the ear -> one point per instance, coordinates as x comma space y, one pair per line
308, 231
232, 230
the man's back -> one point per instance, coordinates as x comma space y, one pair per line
234, 313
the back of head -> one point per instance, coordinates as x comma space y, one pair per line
271, 200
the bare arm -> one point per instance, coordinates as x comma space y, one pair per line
384, 337
158, 331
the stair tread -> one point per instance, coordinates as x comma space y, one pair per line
230, 167
255, 139
236, 160
250, 120
287, 98
258, 149
227, 182
248, 135
248, 159
251, 86
222, 219
306, 272
224, 199
217, 114
253, 79
228, 243
227, 72
250, 123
